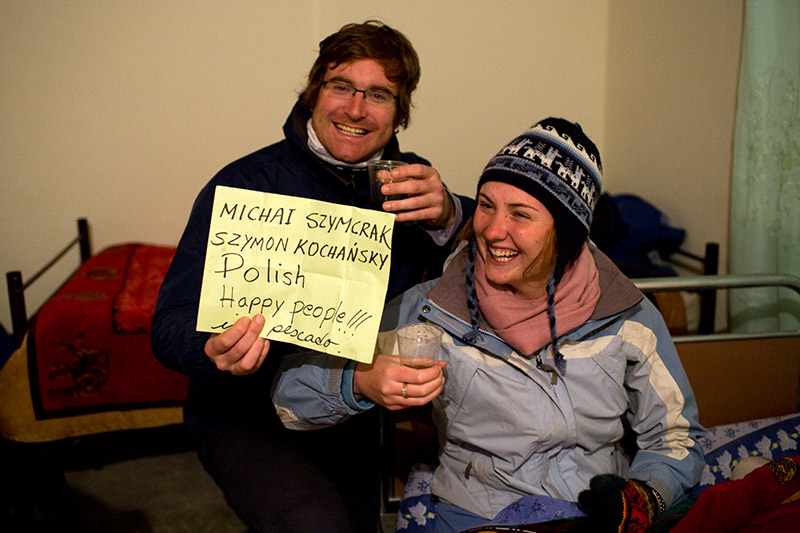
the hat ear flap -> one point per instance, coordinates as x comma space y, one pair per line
570, 237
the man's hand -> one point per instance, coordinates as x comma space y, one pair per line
385, 380
239, 350
426, 197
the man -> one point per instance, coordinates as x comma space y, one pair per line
358, 93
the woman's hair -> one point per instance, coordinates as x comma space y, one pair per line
371, 40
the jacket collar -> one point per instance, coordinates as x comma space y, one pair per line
617, 291
294, 129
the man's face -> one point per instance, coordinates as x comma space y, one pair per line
353, 130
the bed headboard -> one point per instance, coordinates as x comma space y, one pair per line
16, 286
738, 376
707, 265
745, 379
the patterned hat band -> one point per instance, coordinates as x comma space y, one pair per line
537, 181
552, 156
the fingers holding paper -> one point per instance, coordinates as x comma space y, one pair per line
239, 349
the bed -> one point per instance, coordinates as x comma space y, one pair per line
83, 363
748, 395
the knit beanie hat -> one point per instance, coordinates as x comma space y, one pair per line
556, 163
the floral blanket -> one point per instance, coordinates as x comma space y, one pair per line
724, 447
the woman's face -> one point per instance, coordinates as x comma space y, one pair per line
515, 234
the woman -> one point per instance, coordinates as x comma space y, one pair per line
549, 354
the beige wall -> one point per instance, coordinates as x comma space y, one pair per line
120, 112
671, 98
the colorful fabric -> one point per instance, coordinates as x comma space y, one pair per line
529, 514
726, 446
637, 509
614, 503
766, 499
661, 523
417, 512
135, 302
89, 345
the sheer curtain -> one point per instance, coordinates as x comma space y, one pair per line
765, 197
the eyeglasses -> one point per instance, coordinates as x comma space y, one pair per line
343, 91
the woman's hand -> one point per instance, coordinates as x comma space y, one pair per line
239, 350
386, 382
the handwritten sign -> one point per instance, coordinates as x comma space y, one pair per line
316, 271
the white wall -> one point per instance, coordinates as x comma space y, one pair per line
120, 112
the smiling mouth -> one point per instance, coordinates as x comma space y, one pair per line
349, 130
503, 256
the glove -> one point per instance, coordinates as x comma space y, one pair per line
617, 504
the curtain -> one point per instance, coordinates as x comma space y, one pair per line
765, 190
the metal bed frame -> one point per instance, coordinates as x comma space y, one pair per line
16, 286
719, 282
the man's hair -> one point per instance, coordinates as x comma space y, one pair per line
371, 40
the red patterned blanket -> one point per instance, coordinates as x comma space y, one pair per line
89, 345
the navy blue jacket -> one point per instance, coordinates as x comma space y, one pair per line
286, 167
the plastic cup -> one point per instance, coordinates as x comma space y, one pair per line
419, 344
380, 172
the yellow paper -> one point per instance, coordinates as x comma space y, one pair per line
317, 271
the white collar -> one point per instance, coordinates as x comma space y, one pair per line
316, 146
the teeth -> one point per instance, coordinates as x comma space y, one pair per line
347, 130
503, 256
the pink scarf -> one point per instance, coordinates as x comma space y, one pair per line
524, 323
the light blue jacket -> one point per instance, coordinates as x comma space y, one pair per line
508, 429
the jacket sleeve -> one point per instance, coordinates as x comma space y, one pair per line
313, 390
663, 411
464, 206
173, 335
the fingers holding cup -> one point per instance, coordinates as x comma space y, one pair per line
380, 173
